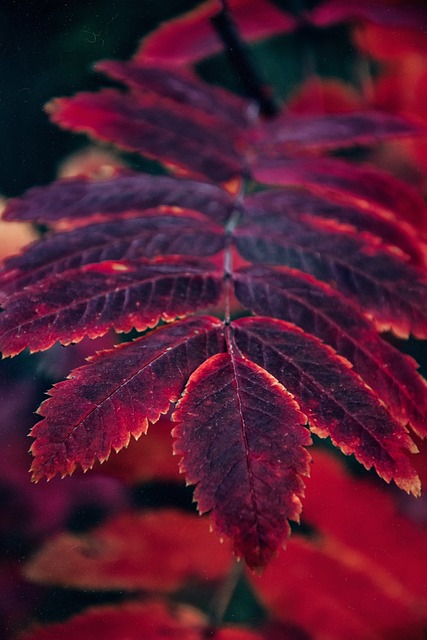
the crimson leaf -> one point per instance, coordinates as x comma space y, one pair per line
117, 394
246, 455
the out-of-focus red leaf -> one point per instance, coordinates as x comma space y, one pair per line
391, 43
278, 630
249, 481
363, 568
78, 198
155, 619
362, 186
359, 265
115, 396
400, 13
191, 37
180, 86
401, 88
337, 403
393, 27
331, 131
347, 598
186, 138
402, 542
156, 551
266, 206
234, 633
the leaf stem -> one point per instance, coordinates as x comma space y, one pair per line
228, 263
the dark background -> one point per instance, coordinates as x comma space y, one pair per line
47, 48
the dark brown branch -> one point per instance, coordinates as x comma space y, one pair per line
241, 59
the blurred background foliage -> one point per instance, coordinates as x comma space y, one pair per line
47, 49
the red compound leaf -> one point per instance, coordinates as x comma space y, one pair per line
241, 437
333, 397
337, 254
113, 397
221, 143
157, 551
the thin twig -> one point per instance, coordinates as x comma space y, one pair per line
241, 59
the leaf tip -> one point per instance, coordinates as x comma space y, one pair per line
414, 487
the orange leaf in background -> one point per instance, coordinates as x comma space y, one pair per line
159, 551
13, 236
93, 162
